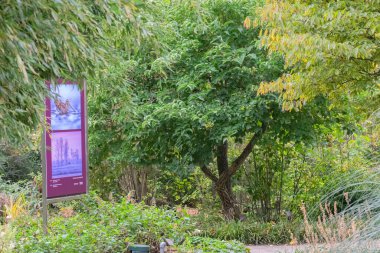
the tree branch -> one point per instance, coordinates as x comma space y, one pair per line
243, 156
209, 173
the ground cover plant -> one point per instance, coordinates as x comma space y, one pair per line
95, 225
253, 231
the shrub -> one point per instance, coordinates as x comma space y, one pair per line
95, 225
251, 231
18, 164
13, 198
103, 227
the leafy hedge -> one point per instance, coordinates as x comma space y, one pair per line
251, 231
95, 225
257, 233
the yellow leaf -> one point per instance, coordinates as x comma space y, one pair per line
247, 23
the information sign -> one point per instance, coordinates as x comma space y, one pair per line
65, 140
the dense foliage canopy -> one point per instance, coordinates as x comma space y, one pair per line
202, 91
45, 40
199, 92
330, 48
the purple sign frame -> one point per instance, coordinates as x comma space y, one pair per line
65, 141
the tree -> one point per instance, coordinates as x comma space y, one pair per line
194, 99
330, 48
109, 106
45, 40
110, 102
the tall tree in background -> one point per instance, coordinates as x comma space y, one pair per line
330, 48
195, 99
43, 40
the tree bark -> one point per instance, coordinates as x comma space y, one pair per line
134, 180
229, 206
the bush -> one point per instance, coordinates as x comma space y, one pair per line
251, 231
94, 225
18, 164
13, 198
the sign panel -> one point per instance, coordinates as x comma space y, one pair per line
66, 140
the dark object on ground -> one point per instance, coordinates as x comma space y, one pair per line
138, 248
289, 215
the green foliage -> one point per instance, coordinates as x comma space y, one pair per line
331, 48
171, 107
103, 227
203, 90
189, 86
251, 231
10, 192
281, 175
203, 245
176, 190
106, 105
9, 188
46, 40
18, 165
100, 226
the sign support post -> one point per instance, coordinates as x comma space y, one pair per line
45, 216
44, 202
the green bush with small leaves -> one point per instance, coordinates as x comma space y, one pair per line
251, 231
96, 225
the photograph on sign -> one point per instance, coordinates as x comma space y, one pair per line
66, 154
66, 107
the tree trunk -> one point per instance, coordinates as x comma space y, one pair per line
281, 179
134, 181
224, 185
222, 181
229, 206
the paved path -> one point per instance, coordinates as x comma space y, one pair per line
275, 248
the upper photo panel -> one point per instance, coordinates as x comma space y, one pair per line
66, 107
